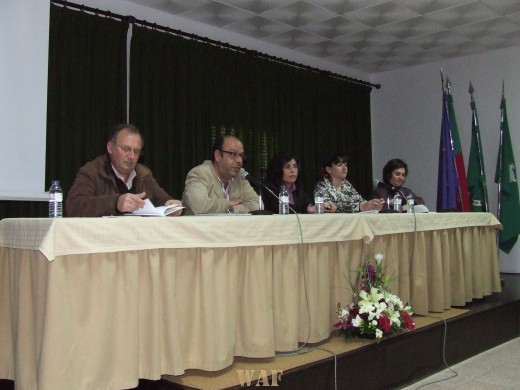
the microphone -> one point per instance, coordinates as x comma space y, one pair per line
390, 187
245, 175
387, 187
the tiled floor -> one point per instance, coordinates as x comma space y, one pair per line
497, 368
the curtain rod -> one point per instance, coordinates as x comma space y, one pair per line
254, 53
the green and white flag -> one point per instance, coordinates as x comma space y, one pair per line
477, 186
506, 178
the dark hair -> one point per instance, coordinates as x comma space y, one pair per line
334, 158
275, 168
219, 144
392, 165
112, 135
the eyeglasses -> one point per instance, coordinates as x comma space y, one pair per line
127, 149
235, 155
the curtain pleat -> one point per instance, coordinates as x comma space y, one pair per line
185, 92
87, 89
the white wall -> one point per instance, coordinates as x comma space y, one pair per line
406, 119
24, 37
123, 7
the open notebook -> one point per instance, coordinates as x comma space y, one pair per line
149, 210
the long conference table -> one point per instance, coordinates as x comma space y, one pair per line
97, 303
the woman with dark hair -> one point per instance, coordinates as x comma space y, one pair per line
283, 170
394, 175
337, 189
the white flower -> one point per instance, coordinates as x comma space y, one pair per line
374, 296
394, 300
373, 304
381, 307
366, 307
395, 318
378, 257
357, 321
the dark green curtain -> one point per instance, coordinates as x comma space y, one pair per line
86, 96
183, 93
87, 89
23, 209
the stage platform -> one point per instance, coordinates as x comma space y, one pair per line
395, 362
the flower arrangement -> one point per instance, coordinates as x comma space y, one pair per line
375, 312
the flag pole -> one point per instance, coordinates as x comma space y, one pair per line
499, 162
506, 178
445, 196
500, 151
479, 142
442, 81
458, 189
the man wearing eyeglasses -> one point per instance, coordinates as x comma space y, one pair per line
215, 186
116, 183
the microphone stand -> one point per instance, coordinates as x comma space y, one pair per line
398, 190
255, 182
388, 210
261, 210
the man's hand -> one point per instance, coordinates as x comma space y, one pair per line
128, 203
171, 202
234, 202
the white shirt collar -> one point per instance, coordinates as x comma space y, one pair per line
130, 178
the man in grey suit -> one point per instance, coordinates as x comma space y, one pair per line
215, 186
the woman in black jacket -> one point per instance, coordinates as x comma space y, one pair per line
283, 170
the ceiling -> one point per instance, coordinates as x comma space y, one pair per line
371, 36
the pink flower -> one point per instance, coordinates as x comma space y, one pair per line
354, 311
384, 324
408, 322
371, 273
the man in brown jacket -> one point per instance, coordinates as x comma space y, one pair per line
114, 184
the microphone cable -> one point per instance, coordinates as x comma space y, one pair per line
300, 350
414, 237
448, 367
302, 259
412, 212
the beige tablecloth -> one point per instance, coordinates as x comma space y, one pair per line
98, 303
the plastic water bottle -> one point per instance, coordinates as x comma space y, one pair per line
283, 205
411, 203
318, 202
55, 200
398, 203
